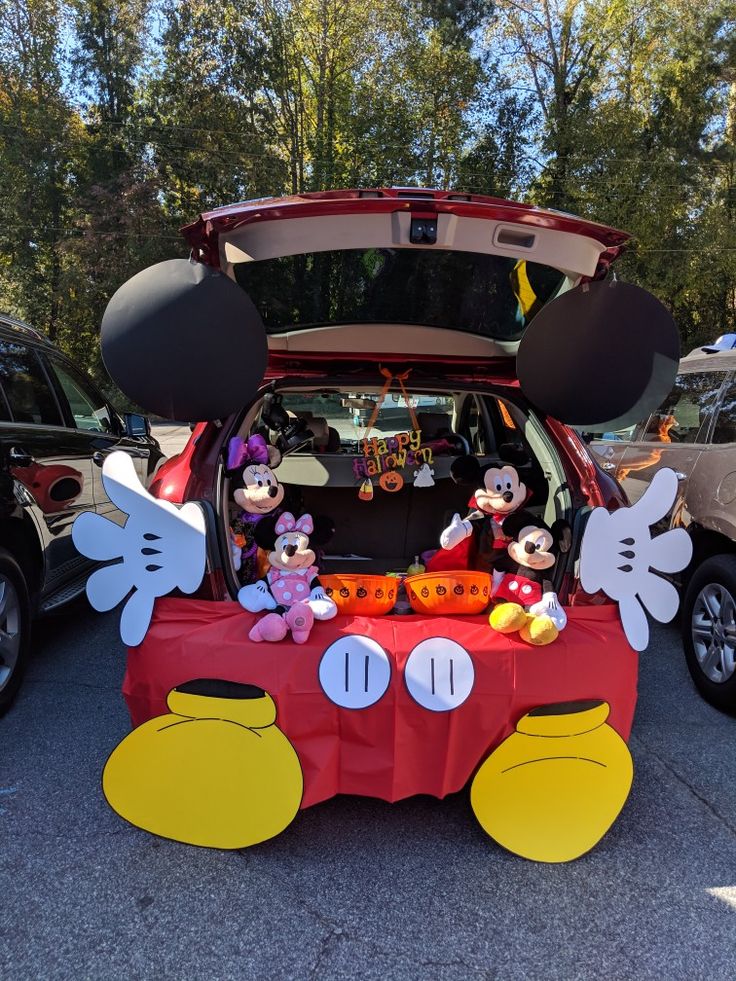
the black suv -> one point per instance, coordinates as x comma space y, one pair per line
55, 431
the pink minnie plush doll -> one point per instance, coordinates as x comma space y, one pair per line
290, 591
257, 491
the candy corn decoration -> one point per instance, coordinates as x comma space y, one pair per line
366, 490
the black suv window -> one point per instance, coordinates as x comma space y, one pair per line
725, 428
26, 387
88, 407
682, 415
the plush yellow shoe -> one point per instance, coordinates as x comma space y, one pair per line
539, 631
553, 788
507, 618
216, 772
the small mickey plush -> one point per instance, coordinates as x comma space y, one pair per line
257, 491
498, 494
290, 591
522, 585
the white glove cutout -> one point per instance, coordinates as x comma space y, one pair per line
549, 606
618, 554
321, 605
457, 531
162, 548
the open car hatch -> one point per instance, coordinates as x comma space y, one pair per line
425, 274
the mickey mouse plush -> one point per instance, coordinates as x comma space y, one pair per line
498, 494
257, 491
290, 590
522, 583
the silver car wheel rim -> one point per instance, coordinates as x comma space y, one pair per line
714, 632
10, 633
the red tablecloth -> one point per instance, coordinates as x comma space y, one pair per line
394, 748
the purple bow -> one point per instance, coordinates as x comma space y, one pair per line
242, 451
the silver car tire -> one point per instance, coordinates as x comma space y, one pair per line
709, 631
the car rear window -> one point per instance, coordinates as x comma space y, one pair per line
489, 295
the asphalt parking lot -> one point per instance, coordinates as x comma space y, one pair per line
355, 888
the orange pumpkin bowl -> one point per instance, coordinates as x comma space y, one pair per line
358, 595
441, 593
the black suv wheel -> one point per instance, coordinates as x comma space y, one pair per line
15, 623
709, 631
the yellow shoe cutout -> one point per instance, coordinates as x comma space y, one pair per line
507, 618
216, 772
553, 788
539, 631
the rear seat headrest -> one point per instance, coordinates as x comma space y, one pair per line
326, 439
434, 425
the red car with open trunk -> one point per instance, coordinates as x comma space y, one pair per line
386, 312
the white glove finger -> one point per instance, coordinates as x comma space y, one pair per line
122, 484
108, 586
98, 538
658, 498
634, 622
136, 618
659, 597
671, 551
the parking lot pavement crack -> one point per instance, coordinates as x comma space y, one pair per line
330, 925
722, 819
327, 945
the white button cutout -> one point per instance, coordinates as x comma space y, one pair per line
439, 674
354, 672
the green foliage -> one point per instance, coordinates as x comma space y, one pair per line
121, 121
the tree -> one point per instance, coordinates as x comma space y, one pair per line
41, 142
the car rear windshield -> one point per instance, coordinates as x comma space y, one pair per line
489, 295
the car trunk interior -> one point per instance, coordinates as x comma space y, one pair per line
385, 533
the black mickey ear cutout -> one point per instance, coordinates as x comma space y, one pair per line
466, 470
184, 341
602, 355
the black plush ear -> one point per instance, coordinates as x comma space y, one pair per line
466, 470
274, 456
602, 355
324, 529
521, 519
562, 535
236, 478
264, 532
184, 341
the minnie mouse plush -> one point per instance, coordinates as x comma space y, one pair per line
522, 586
257, 491
480, 539
290, 590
